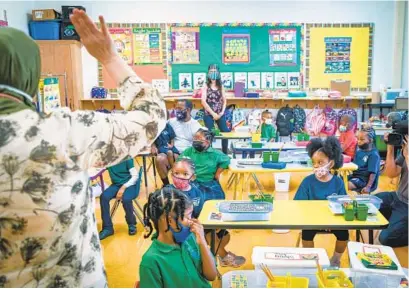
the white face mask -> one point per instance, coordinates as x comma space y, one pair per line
268, 121
321, 172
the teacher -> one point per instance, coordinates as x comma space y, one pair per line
48, 231
214, 103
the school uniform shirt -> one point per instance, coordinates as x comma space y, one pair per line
368, 163
349, 141
268, 131
172, 266
48, 230
207, 162
124, 174
197, 198
313, 189
184, 132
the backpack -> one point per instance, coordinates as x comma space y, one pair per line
285, 121
352, 112
331, 121
228, 114
315, 121
299, 118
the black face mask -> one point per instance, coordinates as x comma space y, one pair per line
181, 114
199, 146
365, 146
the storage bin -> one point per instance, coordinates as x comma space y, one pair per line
338, 280
45, 14
45, 30
363, 199
288, 282
282, 182
363, 277
242, 211
264, 198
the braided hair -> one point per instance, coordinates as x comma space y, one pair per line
208, 134
370, 132
188, 161
330, 147
164, 201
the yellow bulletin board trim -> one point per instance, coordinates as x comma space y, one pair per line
360, 55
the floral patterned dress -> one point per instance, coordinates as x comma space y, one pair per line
48, 232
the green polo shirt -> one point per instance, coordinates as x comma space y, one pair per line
119, 173
207, 162
172, 266
268, 131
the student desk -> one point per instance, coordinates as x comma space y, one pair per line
233, 135
290, 214
239, 172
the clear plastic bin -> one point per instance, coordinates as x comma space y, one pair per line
242, 211
360, 199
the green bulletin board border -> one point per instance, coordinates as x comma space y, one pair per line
173, 70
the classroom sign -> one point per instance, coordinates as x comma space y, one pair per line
283, 47
122, 38
147, 46
338, 54
50, 90
185, 45
236, 48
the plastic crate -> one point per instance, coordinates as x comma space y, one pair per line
45, 30
241, 211
340, 200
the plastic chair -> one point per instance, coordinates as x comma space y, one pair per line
138, 214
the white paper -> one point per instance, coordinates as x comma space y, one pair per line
253, 80
267, 80
280, 80
185, 81
294, 80
241, 77
199, 80
162, 85
227, 80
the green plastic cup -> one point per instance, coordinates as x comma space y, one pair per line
275, 156
306, 137
362, 212
300, 137
349, 214
266, 157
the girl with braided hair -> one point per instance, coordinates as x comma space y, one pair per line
365, 179
178, 256
326, 156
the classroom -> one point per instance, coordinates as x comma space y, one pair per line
204, 144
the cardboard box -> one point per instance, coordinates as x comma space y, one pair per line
343, 86
45, 14
67, 11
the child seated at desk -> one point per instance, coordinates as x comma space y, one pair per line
347, 136
326, 156
179, 256
365, 178
205, 164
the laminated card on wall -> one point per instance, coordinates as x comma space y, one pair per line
185, 45
241, 77
185, 81
280, 80
199, 80
122, 38
227, 80
267, 80
253, 80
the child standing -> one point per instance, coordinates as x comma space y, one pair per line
178, 256
164, 144
326, 156
347, 137
365, 178
267, 129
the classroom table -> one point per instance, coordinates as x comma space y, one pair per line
239, 172
290, 214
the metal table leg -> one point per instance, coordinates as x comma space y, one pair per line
145, 173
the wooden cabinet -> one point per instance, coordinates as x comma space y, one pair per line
59, 57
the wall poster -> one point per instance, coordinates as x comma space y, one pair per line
122, 38
236, 47
338, 54
185, 45
147, 46
283, 47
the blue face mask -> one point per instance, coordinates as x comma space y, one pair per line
213, 75
182, 235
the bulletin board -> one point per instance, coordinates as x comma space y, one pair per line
153, 68
339, 51
211, 44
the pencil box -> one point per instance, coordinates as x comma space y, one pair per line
274, 166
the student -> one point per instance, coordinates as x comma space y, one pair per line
123, 177
365, 179
183, 175
179, 256
326, 156
267, 129
209, 164
347, 136
165, 144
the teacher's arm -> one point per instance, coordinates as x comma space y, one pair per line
206, 106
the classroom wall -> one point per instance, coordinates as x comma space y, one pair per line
380, 13
405, 51
17, 13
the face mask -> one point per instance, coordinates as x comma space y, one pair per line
180, 184
321, 172
213, 75
342, 128
198, 145
181, 114
268, 121
365, 146
182, 235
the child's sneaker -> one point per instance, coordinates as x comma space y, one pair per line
231, 260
